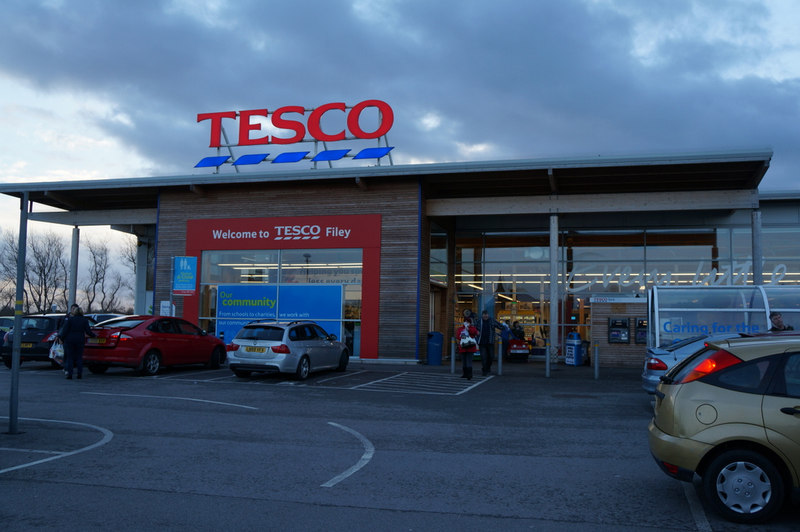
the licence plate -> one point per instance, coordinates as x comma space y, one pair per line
252, 349
26, 345
97, 340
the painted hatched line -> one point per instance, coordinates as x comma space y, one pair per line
422, 383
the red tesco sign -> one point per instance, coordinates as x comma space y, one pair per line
313, 123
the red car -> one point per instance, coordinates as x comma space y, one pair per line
147, 343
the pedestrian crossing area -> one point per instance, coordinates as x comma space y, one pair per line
406, 382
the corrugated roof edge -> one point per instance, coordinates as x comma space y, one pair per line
764, 155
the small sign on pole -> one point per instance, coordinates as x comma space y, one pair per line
184, 276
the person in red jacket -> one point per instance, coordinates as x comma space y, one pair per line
467, 345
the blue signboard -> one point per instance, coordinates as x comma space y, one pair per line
184, 276
239, 304
310, 302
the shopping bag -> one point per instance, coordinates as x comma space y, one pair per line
57, 353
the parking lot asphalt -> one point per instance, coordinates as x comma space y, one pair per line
379, 447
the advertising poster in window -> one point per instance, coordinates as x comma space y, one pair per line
239, 304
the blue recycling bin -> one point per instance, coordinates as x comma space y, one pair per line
435, 341
574, 351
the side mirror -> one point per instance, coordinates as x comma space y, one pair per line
332, 337
203, 332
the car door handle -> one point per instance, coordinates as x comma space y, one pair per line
789, 410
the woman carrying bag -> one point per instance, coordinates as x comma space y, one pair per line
467, 345
73, 333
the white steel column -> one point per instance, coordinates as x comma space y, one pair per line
73, 268
140, 296
553, 334
758, 259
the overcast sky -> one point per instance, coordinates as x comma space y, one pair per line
104, 88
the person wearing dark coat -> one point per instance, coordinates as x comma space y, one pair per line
73, 333
486, 327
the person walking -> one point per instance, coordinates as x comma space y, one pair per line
73, 333
467, 344
486, 341
505, 336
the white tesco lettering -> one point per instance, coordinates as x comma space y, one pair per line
297, 232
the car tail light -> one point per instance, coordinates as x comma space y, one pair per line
283, 348
671, 468
120, 337
231, 347
718, 361
51, 337
656, 364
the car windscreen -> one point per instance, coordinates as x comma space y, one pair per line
258, 332
125, 323
40, 324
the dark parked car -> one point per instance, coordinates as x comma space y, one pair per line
146, 343
38, 333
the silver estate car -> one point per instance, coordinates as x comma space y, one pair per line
297, 347
659, 360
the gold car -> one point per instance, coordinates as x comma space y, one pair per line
731, 414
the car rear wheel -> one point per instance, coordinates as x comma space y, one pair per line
303, 368
343, 360
216, 358
151, 363
744, 486
98, 369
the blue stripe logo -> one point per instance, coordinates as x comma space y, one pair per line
293, 157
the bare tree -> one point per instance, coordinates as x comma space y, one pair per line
8, 270
46, 271
104, 286
128, 253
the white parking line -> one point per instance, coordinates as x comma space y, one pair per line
171, 397
107, 435
321, 381
370, 383
369, 450
465, 390
699, 515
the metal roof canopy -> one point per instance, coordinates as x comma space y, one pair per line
693, 172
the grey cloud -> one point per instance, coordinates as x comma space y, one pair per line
532, 79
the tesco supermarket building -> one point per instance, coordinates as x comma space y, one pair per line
382, 255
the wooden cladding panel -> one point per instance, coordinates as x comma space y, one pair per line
397, 202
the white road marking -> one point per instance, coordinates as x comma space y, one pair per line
370, 383
700, 520
170, 397
369, 450
465, 390
339, 377
107, 435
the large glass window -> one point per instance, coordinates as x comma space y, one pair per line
323, 285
